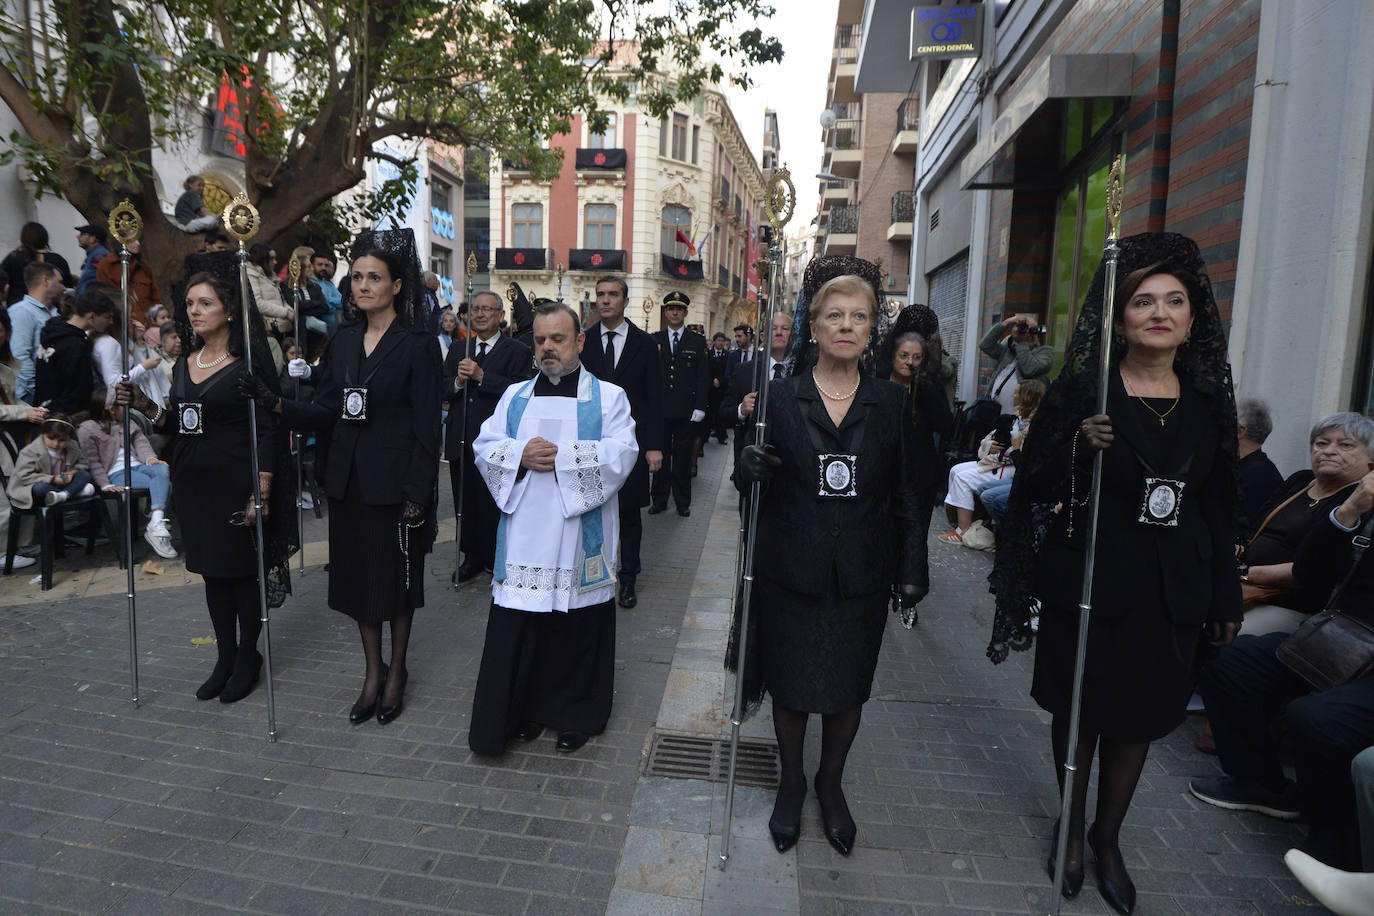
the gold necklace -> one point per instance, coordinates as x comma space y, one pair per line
1159, 416
835, 397
212, 363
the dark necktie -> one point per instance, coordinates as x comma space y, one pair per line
777, 371
610, 347
675, 343
482, 350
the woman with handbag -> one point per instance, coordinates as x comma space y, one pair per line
1328, 709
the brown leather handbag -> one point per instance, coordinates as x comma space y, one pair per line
1332, 648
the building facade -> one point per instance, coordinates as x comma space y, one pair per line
669, 203
1245, 124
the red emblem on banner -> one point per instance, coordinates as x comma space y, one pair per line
682, 269
596, 260
599, 159
519, 257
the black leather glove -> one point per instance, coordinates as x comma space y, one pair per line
127, 394
909, 595
759, 462
413, 514
252, 388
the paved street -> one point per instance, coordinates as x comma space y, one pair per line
180, 806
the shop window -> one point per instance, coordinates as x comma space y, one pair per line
1079, 235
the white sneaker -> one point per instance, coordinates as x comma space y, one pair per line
54, 497
307, 502
18, 561
87, 490
160, 540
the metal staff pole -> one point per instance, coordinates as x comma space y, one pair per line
126, 226
1085, 601
241, 221
293, 274
780, 198
470, 268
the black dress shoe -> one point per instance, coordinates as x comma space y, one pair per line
247, 669
1073, 877
470, 569
218, 678
361, 711
784, 826
570, 741
838, 824
627, 593
387, 714
1120, 897
528, 731
655, 510
684, 512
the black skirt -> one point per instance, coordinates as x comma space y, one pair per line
818, 654
367, 570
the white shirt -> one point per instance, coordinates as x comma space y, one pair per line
771, 363
606, 338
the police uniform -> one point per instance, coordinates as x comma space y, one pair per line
686, 387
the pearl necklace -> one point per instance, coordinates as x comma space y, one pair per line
212, 363
835, 397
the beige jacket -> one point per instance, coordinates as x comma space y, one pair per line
267, 294
33, 466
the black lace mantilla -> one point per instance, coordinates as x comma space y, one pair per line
1202, 362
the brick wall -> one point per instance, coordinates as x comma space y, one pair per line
882, 175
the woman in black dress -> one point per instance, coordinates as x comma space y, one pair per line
839, 465
1168, 511
377, 396
211, 464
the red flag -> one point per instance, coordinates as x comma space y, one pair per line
682, 237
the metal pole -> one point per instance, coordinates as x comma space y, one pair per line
779, 200
1085, 601
241, 219
297, 290
471, 268
126, 231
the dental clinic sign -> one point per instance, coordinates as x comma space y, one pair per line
940, 31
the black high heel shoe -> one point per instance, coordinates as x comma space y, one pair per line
1120, 897
840, 830
361, 711
1073, 877
244, 678
785, 824
214, 685
387, 714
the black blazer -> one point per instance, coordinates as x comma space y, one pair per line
395, 451
733, 360
1192, 568
507, 361
637, 371
686, 374
863, 544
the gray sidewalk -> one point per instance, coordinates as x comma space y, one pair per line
180, 806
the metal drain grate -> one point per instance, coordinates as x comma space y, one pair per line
698, 757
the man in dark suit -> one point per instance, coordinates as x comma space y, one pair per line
744, 349
619, 352
495, 362
718, 355
686, 384
737, 407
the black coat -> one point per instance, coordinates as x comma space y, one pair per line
63, 382
1192, 567
862, 545
686, 374
736, 387
637, 371
931, 417
507, 361
395, 451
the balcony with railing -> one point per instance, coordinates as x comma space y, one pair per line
844, 147
836, 192
846, 60
842, 230
902, 222
908, 120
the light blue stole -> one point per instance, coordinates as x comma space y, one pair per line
594, 566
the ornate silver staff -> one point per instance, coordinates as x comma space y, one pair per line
241, 221
126, 226
470, 268
293, 277
1085, 600
779, 200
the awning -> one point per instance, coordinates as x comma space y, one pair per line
1059, 76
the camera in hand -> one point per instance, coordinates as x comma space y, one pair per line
1026, 327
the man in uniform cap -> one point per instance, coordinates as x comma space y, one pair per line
686, 387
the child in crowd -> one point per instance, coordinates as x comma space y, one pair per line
51, 468
102, 440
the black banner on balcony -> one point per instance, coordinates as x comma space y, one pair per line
682, 269
521, 259
609, 159
596, 259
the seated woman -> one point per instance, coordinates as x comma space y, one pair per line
1342, 452
101, 436
995, 462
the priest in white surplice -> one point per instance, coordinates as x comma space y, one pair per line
554, 454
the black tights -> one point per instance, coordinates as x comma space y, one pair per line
837, 736
371, 634
1120, 764
235, 616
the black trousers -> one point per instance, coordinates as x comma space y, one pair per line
631, 533
1246, 687
480, 515
676, 472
